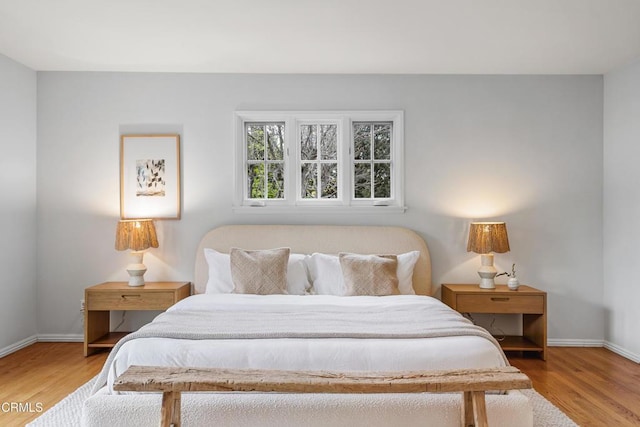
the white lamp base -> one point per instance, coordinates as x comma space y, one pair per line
487, 272
136, 269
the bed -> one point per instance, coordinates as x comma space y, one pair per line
307, 332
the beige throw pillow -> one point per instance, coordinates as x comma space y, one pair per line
262, 272
369, 274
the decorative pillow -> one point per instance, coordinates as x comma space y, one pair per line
259, 272
220, 281
326, 273
369, 274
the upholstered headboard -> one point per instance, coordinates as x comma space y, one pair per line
307, 239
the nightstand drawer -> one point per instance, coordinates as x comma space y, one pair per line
500, 303
130, 300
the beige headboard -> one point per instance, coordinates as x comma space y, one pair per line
307, 239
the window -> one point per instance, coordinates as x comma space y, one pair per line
265, 160
318, 161
372, 160
344, 160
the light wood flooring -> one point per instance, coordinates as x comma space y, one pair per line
44, 373
594, 386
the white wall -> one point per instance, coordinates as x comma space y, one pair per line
18, 205
525, 149
622, 210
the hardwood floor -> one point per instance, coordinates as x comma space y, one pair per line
43, 373
594, 386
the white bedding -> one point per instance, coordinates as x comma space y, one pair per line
329, 353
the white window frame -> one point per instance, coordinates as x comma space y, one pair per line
340, 160
266, 161
293, 201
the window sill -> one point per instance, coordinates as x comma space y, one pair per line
340, 210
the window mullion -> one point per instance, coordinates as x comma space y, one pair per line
318, 163
371, 162
265, 141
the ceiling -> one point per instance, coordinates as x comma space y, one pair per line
323, 36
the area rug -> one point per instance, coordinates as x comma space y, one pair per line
69, 410
545, 414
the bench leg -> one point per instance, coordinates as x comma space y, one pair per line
467, 404
479, 409
170, 409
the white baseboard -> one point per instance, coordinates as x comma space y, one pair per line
574, 343
40, 338
622, 352
61, 338
595, 343
17, 346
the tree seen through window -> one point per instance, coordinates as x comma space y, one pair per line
265, 160
372, 160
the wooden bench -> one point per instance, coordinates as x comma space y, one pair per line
172, 381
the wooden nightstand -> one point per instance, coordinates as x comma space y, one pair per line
101, 299
531, 303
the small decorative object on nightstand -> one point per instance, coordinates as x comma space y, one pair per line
513, 283
529, 302
100, 299
137, 235
484, 238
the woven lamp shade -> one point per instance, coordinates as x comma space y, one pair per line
486, 237
137, 235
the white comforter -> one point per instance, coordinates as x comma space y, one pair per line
380, 352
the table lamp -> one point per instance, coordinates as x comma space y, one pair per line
137, 235
484, 238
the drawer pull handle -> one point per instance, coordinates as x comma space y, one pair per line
130, 296
499, 299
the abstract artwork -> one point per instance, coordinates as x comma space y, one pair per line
150, 176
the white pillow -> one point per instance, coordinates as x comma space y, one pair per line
298, 282
220, 281
406, 263
326, 274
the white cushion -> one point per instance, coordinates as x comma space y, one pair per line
220, 281
326, 273
406, 263
298, 282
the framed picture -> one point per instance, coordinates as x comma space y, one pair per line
150, 176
